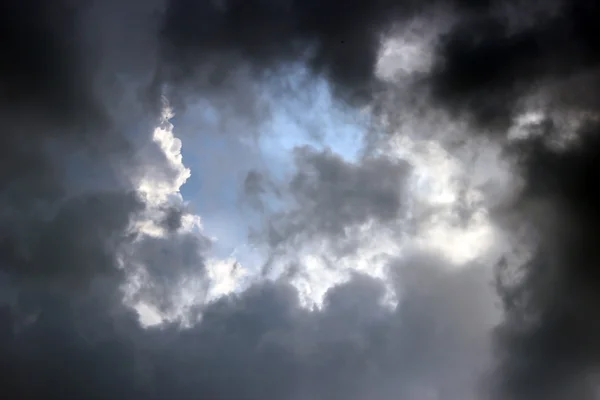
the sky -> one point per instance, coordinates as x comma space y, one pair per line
299, 199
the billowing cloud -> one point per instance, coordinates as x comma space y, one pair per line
498, 69
331, 195
262, 343
494, 60
484, 146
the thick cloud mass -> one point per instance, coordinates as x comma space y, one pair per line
262, 344
331, 196
94, 227
339, 40
489, 62
494, 71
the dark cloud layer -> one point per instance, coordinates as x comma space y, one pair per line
489, 62
339, 40
80, 92
261, 344
45, 65
89, 227
549, 342
488, 69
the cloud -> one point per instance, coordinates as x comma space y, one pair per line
495, 70
491, 61
329, 196
89, 160
340, 42
262, 343
80, 240
548, 340
95, 230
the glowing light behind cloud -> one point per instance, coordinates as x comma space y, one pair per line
436, 187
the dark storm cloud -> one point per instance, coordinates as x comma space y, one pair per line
43, 68
52, 112
73, 77
488, 69
262, 344
81, 239
548, 344
338, 40
490, 61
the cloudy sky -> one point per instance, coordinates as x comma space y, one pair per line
299, 199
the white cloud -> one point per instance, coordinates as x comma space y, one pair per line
169, 277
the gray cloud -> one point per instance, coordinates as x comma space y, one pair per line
546, 347
262, 344
164, 266
330, 195
490, 61
80, 240
82, 88
493, 70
